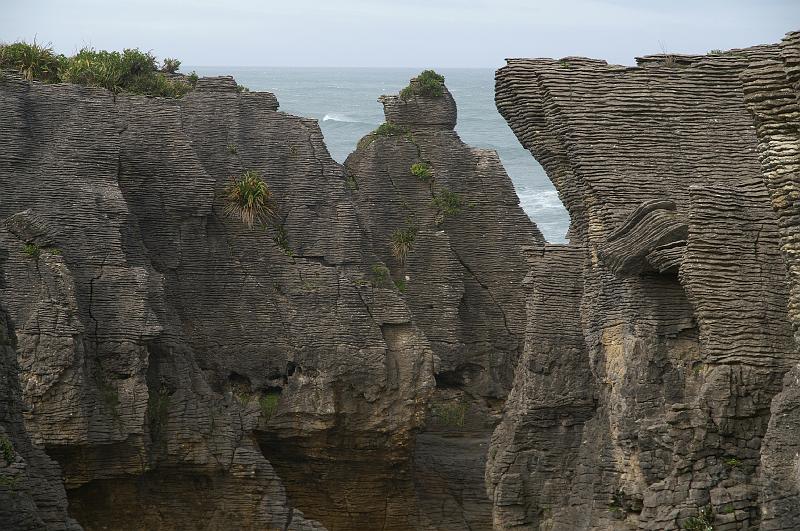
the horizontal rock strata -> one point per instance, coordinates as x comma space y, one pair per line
186, 371
676, 303
772, 94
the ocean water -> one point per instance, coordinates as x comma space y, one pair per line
345, 102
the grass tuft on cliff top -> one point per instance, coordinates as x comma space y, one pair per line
428, 83
131, 70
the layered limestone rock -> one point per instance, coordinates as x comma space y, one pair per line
414, 179
166, 351
186, 371
32, 496
772, 94
658, 338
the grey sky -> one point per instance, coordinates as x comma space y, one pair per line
414, 33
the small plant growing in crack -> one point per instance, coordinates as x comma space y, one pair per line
269, 404
281, 239
733, 462
422, 171
32, 250
380, 275
400, 284
6, 449
452, 415
351, 182
447, 203
402, 241
702, 521
249, 198
232, 149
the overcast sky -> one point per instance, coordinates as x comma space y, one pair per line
412, 33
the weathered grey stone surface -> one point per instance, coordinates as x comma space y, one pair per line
32, 496
462, 282
652, 360
772, 94
146, 342
150, 327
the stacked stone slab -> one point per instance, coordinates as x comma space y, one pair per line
772, 94
461, 281
151, 329
681, 305
188, 372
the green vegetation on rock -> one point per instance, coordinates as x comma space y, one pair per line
450, 414
428, 84
250, 199
702, 521
448, 203
402, 239
385, 129
269, 403
281, 239
422, 171
6, 449
32, 250
131, 70
380, 274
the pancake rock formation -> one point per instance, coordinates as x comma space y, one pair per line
658, 386
167, 366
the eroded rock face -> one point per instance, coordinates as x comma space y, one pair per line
461, 279
152, 331
32, 496
772, 94
186, 371
653, 356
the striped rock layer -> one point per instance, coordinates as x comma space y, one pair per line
655, 385
185, 371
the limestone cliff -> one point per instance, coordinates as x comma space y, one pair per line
461, 279
186, 371
772, 94
659, 337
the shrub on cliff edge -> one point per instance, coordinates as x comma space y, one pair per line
428, 83
32, 61
131, 70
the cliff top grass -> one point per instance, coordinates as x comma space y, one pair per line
427, 83
131, 70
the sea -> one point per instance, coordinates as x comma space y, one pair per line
345, 102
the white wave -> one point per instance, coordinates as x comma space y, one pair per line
539, 199
336, 117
